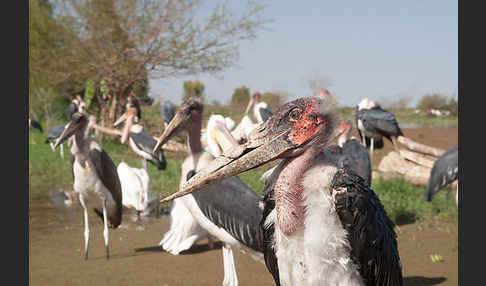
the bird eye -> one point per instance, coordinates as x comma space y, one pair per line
294, 115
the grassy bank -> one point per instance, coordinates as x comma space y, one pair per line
403, 202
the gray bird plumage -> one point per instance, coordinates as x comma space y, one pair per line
167, 110
444, 171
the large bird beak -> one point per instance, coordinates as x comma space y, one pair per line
69, 130
121, 119
176, 124
239, 159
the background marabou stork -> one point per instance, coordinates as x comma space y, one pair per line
140, 141
444, 171
76, 105
374, 123
35, 124
95, 177
228, 210
261, 110
322, 225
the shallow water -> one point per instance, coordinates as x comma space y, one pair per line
49, 213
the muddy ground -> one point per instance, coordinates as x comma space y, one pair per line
56, 246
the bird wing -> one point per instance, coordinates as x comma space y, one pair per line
265, 113
444, 171
108, 175
146, 143
358, 159
380, 121
370, 232
268, 228
54, 133
233, 206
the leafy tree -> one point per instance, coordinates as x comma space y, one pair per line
273, 99
193, 88
432, 101
125, 42
240, 97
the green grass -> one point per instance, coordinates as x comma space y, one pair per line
404, 202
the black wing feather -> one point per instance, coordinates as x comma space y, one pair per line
444, 171
380, 121
106, 170
268, 235
233, 206
146, 143
370, 232
265, 113
358, 159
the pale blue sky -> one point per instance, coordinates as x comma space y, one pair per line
369, 49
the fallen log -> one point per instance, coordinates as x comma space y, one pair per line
419, 147
421, 159
393, 164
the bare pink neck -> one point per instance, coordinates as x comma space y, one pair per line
288, 191
195, 133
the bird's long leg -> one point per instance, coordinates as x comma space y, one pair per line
210, 242
62, 150
230, 278
52, 147
372, 143
86, 226
105, 231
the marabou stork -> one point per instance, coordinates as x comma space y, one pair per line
135, 187
140, 141
76, 105
35, 124
52, 135
261, 110
374, 123
228, 210
95, 177
444, 171
322, 225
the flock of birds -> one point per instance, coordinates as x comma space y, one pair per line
318, 222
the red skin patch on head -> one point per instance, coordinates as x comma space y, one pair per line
305, 128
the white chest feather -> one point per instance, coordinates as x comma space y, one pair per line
318, 253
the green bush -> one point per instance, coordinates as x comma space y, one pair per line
433, 101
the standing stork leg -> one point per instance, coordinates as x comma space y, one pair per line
52, 147
457, 194
86, 226
230, 278
105, 231
62, 150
